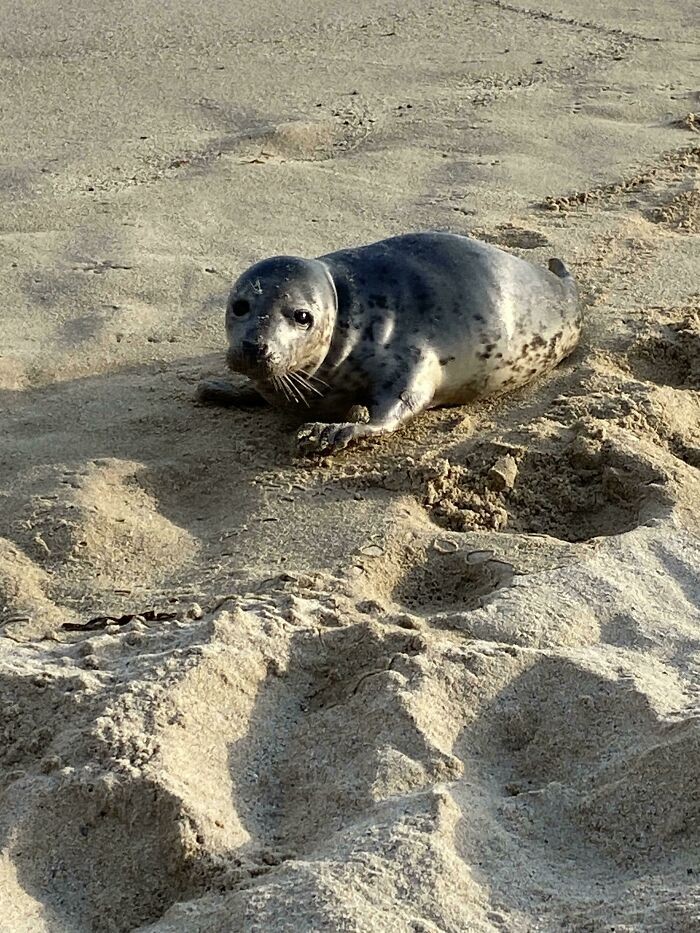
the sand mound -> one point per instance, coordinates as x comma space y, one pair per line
587, 490
302, 141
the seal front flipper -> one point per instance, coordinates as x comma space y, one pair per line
318, 437
396, 406
223, 393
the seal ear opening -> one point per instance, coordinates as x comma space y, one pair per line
558, 268
331, 282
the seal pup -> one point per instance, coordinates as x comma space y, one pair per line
391, 329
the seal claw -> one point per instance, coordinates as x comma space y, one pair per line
320, 438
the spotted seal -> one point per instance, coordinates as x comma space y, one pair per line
391, 329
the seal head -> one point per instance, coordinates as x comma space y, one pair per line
280, 318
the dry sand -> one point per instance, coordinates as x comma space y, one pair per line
387, 692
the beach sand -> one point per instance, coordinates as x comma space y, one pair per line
385, 692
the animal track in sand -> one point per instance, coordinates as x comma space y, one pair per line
588, 488
437, 582
423, 574
671, 356
77, 845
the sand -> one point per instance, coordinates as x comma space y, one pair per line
447, 681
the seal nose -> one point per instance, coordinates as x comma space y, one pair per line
258, 352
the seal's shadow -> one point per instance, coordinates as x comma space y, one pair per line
122, 482
130, 447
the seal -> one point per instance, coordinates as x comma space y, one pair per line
369, 337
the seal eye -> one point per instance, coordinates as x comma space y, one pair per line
303, 318
240, 307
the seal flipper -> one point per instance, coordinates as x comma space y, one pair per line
226, 394
558, 268
397, 405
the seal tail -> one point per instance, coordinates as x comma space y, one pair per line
558, 268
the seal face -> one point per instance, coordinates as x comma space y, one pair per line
395, 327
280, 317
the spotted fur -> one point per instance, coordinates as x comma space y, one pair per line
398, 326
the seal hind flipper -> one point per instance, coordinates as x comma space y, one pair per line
558, 268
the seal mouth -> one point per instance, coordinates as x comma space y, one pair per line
298, 386
257, 363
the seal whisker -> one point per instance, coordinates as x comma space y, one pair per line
280, 387
296, 392
300, 383
308, 376
305, 384
285, 388
297, 382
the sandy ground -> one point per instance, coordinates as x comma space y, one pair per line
384, 692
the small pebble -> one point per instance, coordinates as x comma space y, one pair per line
503, 474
